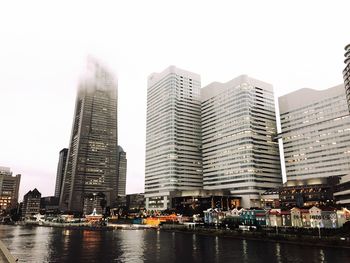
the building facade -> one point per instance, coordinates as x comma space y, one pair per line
9, 187
62, 161
173, 137
31, 204
346, 73
92, 156
315, 133
240, 153
342, 194
122, 168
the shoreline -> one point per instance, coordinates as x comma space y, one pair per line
334, 241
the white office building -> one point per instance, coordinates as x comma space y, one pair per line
240, 153
346, 73
173, 137
315, 133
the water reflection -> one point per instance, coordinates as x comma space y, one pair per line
245, 253
322, 258
278, 252
43, 244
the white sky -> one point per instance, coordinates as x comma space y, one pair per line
44, 45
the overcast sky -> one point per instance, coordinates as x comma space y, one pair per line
44, 46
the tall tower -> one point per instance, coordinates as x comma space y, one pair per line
173, 137
122, 168
92, 156
62, 160
240, 153
346, 73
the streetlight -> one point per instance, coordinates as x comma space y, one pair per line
319, 230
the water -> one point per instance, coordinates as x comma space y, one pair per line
46, 244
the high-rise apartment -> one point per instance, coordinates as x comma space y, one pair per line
173, 138
346, 73
92, 156
240, 153
122, 168
9, 186
62, 160
315, 133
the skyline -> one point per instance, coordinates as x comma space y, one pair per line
48, 65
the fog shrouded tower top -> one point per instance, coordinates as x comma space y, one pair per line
346, 73
91, 167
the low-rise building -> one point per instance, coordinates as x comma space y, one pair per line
253, 217
286, 218
194, 202
273, 217
94, 202
49, 205
135, 201
31, 204
300, 217
343, 216
213, 216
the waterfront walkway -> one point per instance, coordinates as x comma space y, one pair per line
5, 255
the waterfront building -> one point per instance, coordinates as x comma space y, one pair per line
92, 156
253, 217
173, 136
240, 152
94, 202
122, 168
346, 73
273, 217
286, 218
278, 217
9, 187
323, 217
194, 202
343, 216
297, 217
342, 194
49, 205
135, 201
270, 198
62, 160
213, 216
121, 201
304, 193
315, 133
31, 204
307, 193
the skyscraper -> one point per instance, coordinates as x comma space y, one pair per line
315, 133
122, 168
346, 73
342, 195
240, 153
62, 160
92, 156
173, 138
